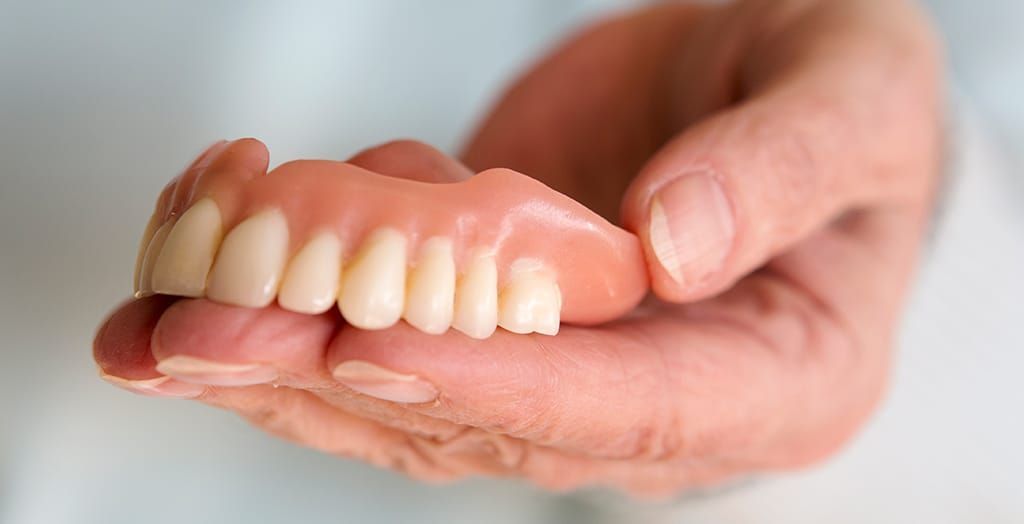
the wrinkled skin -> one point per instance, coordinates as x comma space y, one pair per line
818, 118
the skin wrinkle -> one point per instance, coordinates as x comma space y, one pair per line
709, 441
630, 443
712, 434
417, 447
507, 451
537, 416
274, 419
662, 440
285, 418
392, 415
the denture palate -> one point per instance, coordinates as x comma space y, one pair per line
496, 250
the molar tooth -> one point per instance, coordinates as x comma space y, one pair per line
373, 291
310, 284
431, 291
188, 251
476, 298
530, 302
249, 265
145, 283
147, 237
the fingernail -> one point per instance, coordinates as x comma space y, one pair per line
691, 228
200, 371
375, 381
155, 387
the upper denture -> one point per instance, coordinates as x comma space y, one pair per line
314, 232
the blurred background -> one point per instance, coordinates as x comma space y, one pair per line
102, 102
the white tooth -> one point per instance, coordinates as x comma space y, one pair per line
310, 284
530, 302
147, 237
547, 318
476, 298
248, 267
188, 252
373, 289
431, 289
145, 284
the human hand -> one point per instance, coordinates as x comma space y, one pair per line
817, 120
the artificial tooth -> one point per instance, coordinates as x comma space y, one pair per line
145, 283
373, 289
147, 237
248, 267
188, 252
476, 298
430, 300
530, 302
547, 318
310, 284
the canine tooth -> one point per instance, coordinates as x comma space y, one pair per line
147, 237
476, 298
530, 302
310, 283
145, 284
188, 252
373, 289
430, 301
249, 265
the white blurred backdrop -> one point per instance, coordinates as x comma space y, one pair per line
101, 102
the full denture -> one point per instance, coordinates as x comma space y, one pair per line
499, 249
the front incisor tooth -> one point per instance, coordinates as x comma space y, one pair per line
188, 252
147, 237
531, 302
310, 284
476, 298
145, 283
373, 289
430, 300
248, 267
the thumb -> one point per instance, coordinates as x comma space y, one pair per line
842, 119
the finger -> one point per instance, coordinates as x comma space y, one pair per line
391, 438
412, 160
204, 342
304, 418
648, 390
768, 375
338, 421
840, 113
332, 419
121, 350
547, 390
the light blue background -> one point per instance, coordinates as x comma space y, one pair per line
101, 102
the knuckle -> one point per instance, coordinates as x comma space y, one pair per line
652, 442
501, 451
